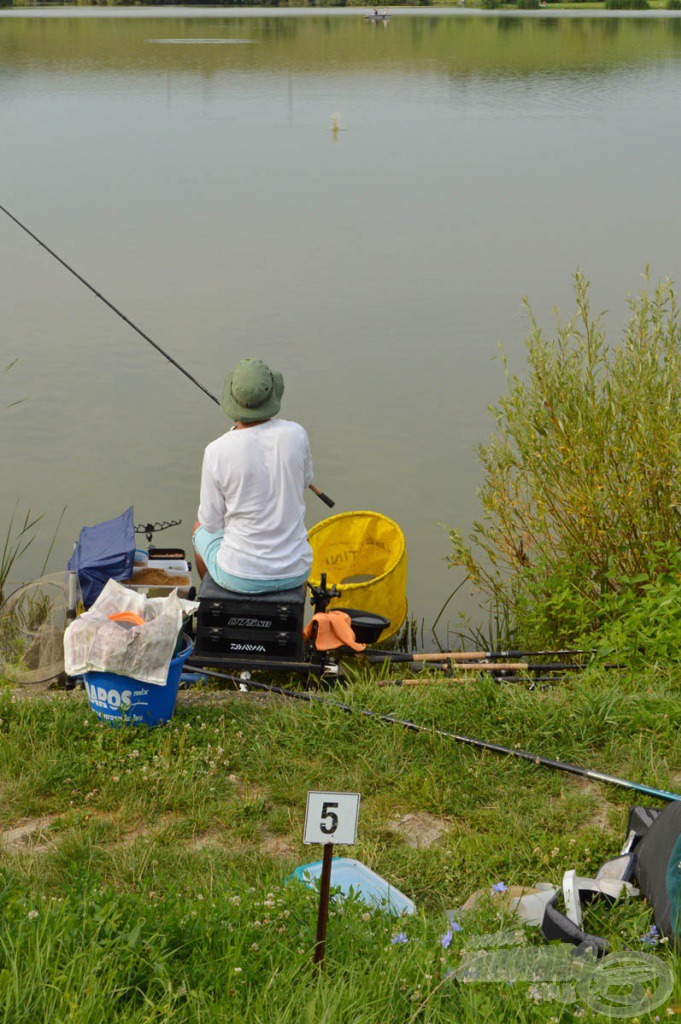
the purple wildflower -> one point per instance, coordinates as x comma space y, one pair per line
446, 939
499, 887
652, 938
400, 939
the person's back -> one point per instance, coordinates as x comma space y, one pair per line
251, 532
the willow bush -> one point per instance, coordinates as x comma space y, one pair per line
582, 490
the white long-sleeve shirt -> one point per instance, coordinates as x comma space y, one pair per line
253, 483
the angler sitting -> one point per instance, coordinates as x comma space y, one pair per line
250, 534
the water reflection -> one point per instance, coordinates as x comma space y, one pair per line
526, 45
200, 42
378, 260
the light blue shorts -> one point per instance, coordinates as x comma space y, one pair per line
208, 544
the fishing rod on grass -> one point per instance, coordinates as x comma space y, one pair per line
547, 762
320, 494
401, 656
496, 666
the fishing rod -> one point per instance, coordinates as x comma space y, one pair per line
500, 666
400, 656
320, 494
445, 679
547, 762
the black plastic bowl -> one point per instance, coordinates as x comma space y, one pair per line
366, 626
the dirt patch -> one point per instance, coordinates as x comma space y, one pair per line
276, 846
210, 841
33, 834
198, 695
419, 830
600, 819
125, 833
204, 842
601, 815
248, 792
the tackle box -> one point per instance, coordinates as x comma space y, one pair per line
230, 626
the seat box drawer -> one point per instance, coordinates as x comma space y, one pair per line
252, 643
254, 615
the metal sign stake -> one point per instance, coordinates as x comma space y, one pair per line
323, 915
330, 819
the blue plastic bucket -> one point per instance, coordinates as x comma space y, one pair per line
120, 700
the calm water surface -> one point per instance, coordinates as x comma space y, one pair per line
187, 167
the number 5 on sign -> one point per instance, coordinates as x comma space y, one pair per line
331, 818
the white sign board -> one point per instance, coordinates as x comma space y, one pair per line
331, 818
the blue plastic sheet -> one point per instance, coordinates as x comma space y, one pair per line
103, 552
349, 875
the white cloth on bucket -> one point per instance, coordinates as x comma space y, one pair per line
93, 643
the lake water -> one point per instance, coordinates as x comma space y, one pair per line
187, 167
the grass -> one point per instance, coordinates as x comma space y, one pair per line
144, 880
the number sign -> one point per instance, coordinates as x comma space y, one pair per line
331, 818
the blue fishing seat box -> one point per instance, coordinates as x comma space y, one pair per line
236, 628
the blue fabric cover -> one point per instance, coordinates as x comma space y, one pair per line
103, 552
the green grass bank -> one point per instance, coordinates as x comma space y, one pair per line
143, 872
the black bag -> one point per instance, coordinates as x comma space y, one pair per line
652, 837
653, 854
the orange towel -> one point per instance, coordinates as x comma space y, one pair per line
331, 630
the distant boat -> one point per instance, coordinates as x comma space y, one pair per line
377, 16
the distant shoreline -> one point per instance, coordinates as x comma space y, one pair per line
588, 9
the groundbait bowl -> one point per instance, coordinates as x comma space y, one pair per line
121, 700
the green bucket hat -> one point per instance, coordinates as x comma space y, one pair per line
252, 391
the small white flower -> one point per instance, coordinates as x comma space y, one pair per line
32, 914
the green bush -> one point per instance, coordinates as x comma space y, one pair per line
527, 5
674, 5
627, 5
641, 619
490, 5
581, 492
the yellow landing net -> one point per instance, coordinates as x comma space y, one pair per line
365, 555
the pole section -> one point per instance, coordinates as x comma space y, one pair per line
322, 917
